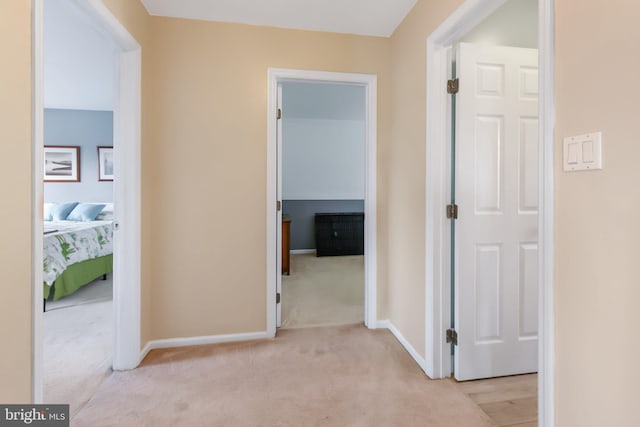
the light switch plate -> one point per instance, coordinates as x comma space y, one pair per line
582, 152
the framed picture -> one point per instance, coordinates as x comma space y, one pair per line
105, 163
62, 164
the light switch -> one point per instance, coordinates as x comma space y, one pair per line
572, 155
587, 151
582, 152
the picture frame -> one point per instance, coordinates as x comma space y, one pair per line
105, 163
61, 163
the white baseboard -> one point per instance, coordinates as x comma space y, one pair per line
201, 340
147, 348
386, 324
302, 251
218, 339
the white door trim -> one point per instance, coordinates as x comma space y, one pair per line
369, 82
547, 115
279, 128
37, 193
438, 360
127, 188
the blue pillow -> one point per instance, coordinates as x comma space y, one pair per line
60, 211
85, 212
47, 211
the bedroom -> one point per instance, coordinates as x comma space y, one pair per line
323, 191
78, 206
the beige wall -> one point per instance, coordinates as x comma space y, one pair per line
204, 162
133, 16
15, 175
209, 163
406, 174
597, 215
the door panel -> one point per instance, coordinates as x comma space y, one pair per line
487, 292
528, 291
528, 177
496, 284
487, 164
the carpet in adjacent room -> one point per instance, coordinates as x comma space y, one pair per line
77, 344
322, 291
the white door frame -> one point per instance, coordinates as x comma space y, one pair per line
127, 188
369, 82
438, 360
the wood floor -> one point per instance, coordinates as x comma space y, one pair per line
508, 401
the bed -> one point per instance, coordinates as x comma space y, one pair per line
75, 254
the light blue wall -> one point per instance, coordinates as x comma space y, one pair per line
88, 129
323, 141
323, 154
323, 159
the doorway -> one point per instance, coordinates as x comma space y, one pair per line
79, 74
323, 146
439, 298
276, 78
126, 189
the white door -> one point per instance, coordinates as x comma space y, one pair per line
279, 208
496, 265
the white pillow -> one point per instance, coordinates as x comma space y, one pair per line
107, 213
47, 211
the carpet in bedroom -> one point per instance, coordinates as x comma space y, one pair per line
97, 291
322, 291
329, 376
77, 347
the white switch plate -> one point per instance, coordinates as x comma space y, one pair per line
582, 152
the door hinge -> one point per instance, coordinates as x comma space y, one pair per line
452, 211
278, 298
278, 205
278, 114
452, 336
453, 86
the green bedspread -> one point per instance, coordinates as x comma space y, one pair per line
76, 254
79, 274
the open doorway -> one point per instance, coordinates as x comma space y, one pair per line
124, 155
488, 143
494, 188
494, 227
78, 251
323, 199
367, 84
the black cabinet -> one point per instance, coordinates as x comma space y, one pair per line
339, 233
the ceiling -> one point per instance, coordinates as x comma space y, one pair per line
363, 17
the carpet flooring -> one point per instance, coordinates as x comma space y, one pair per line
97, 291
323, 291
328, 376
77, 347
